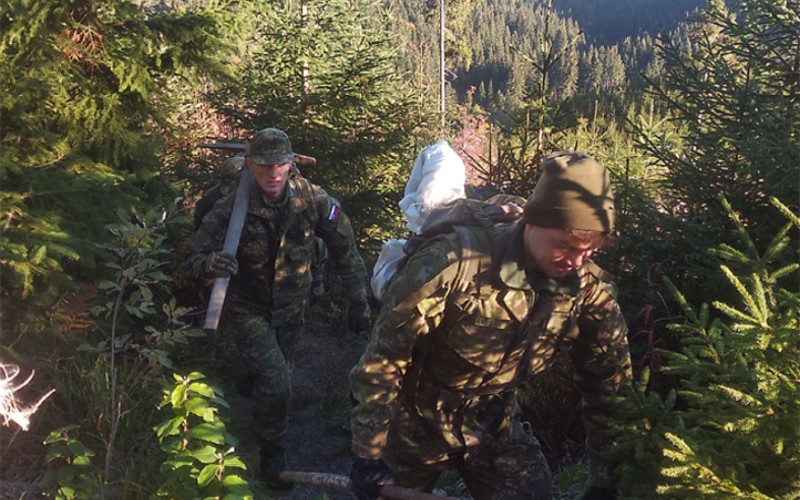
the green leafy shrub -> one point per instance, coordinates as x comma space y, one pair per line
112, 347
69, 466
201, 462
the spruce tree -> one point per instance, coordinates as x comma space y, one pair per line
536, 120
328, 79
735, 90
732, 429
83, 110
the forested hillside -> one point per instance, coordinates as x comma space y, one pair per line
608, 22
105, 102
601, 45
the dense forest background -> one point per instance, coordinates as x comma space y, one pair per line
693, 105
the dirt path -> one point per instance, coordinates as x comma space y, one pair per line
318, 437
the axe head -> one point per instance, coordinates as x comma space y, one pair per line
238, 147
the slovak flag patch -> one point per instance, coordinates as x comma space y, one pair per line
333, 215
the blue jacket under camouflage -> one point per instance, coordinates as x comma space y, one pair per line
461, 321
276, 249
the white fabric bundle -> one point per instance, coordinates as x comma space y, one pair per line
438, 177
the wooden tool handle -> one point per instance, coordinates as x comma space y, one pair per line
231, 244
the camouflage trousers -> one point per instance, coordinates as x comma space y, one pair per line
266, 355
496, 455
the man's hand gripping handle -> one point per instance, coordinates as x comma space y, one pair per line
230, 246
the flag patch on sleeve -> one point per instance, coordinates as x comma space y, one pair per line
333, 215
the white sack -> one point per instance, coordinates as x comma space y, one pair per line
386, 266
438, 177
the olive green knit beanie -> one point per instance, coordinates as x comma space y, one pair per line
574, 192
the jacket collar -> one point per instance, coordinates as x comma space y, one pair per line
509, 256
258, 205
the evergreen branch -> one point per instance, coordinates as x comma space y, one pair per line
685, 449
729, 253
743, 234
685, 329
736, 395
791, 379
759, 315
693, 397
786, 211
761, 297
778, 243
778, 446
681, 300
735, 313
764, 340
783, 271
704, 473
704, 314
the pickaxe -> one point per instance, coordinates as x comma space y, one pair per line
231, 244
344, 483
301, 160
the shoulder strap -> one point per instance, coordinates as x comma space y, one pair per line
307, 196
476, 256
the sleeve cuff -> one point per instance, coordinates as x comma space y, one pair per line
369, 445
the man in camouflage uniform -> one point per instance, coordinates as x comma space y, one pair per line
231, 172
270, 278
473, 314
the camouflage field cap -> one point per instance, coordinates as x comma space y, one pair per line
574, 192
270, 146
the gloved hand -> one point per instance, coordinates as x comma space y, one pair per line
221, 265
597, 493
368, 476
358, 318
316, 293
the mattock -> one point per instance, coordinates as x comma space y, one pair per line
340, 482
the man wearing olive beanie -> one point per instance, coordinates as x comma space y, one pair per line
574, 192
473, 315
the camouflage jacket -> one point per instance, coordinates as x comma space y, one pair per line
462, 320
276, 249
211, 197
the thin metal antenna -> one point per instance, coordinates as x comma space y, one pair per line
441, 63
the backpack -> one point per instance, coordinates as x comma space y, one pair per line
499, 209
